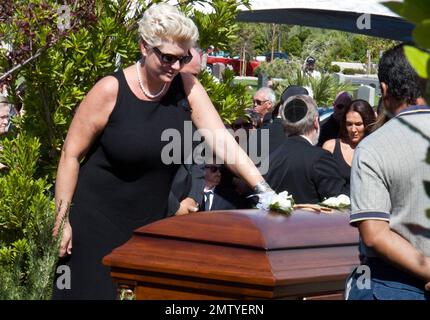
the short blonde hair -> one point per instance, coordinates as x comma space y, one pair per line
163, 22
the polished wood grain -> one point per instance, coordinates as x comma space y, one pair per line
241, 254
259, 229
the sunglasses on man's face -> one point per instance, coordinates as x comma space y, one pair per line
171, 58
259, 102
213, 169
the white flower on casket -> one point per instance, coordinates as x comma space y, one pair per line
265, 199
283, 200
337, 202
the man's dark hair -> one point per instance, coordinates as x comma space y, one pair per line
396, 72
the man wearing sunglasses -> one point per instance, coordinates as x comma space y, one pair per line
218, 196
263, 103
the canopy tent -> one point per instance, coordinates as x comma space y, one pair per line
332, 14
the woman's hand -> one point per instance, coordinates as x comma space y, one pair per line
66, 239
188, 205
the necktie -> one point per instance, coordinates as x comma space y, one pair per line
207, 200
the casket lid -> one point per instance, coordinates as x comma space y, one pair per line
258, 229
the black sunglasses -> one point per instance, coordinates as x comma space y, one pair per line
259, 102
171, 59
213, 169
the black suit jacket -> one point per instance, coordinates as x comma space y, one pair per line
189, 181
276, 134
276, 138
227, 199
307, 172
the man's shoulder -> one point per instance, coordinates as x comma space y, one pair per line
311, 152
379, 137
384, 134
384, 142
282, 150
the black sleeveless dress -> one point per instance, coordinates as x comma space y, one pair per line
123, 184
344, 168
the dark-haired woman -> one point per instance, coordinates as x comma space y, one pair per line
354, 126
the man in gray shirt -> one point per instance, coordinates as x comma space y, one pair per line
388, 197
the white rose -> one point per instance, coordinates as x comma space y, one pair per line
331, 202
276, 198
284, 195
282, 201
344, 200
341, 200
265, 199
271, 200
284, 204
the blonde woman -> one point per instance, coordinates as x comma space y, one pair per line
123, 182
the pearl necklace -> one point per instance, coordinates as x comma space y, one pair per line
146, 93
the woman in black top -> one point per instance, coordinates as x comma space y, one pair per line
354, 126
124, 129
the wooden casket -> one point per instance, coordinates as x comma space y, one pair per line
238, 254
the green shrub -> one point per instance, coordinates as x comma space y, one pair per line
324, 89
28, 252
279, 68
334, 68
353, 71
294, 46
229, 98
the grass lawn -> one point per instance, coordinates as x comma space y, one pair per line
252, 84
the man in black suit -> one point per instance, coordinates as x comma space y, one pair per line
307, 172
216, 196
263, 103
187, 189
